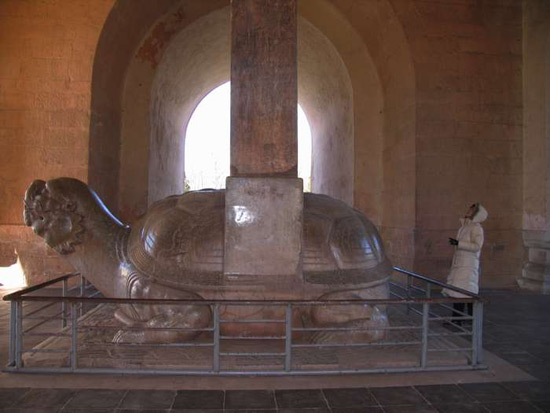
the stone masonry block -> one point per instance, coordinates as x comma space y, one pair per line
263, 229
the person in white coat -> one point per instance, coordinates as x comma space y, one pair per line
465, 267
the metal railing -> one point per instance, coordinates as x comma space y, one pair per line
60, 330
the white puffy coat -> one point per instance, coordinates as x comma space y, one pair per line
465, 268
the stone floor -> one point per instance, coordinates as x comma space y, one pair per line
517, 329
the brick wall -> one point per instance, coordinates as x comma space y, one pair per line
468, 64
46, 54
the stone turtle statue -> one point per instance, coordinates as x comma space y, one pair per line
176, 251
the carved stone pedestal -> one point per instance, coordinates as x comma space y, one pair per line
263, 230
536, 270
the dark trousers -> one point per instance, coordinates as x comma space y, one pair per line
466, 308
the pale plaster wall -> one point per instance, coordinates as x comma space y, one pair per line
380, 29
124, 29
194, 62
325, 94
367, 96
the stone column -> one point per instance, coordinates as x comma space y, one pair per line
264, 91
536, 146
264, 198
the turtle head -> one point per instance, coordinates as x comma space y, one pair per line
51, 210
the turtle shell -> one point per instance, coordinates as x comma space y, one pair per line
180, 241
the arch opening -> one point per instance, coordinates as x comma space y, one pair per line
207, 142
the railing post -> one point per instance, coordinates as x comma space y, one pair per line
216, 355
64, 305
82, 288
408, 292
288, 337
19, 335
428, 290
477, 333
74, 331
425, 327
13, 323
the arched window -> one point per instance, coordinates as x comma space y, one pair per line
207, 142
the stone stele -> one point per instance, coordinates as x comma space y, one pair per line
176, 251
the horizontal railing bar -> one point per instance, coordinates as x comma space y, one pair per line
17, 294
356, 328
169, 301
44, 317
279, 372
438, 283
39, 309
251, 321
374, 344
440, 350
450, 334
444, 318
46, 335
251, 354
252, 338
436, 317
54, 317
160, 344
454, 310
404, 287
402, 298
43, 350
100, 327
414, 287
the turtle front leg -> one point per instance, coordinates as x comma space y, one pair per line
160, 323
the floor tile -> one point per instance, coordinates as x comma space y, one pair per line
520, 358
45, 398
250, 399
300, 399
196, 411
397, 395
31, 410
485, 392
250, 411
530, 390
199, 399
444, 394
511, 407
304, 410
543, 406
148, 399
96, 399
10, 396
539, 371
364, 409
410, 408
349, 397
461, 408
